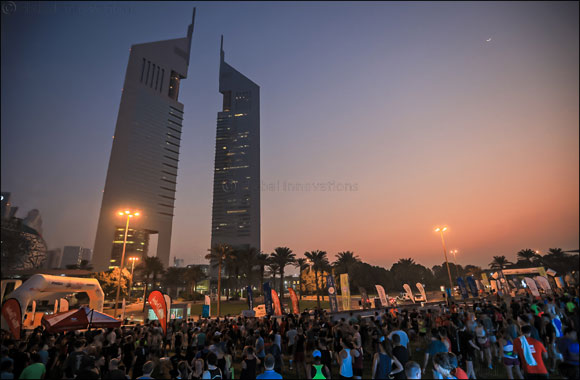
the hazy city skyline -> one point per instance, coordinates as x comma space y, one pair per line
405, 112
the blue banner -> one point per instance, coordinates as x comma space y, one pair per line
472, 285
462, 288
205, 311
331, 293
268, 298
250, 296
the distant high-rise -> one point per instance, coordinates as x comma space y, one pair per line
142, 173
71, 255
53, 259
236, 185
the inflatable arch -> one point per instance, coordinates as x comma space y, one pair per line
38, 284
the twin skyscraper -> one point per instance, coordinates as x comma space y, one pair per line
143, 168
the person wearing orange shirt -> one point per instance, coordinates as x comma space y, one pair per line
532, 354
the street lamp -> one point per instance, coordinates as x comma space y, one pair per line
455, 260
132, 260
129, 215
441, 230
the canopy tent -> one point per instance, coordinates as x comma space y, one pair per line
78, 320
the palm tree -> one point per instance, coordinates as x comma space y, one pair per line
499, 262
319, 261
248, 257
174, 279
556, 252
282, 256
262, 261
150, 266
301, 264
217, 255
193, 276
344, 261
273, 269
527, 255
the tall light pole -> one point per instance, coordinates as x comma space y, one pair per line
132, 260
441, 230
129, 215
455, 260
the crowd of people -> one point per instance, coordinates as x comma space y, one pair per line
525, 338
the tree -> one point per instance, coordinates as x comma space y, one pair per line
301, 264
559, 261
110, 279
319, 261
217, 255
193, 275
499, 262
344, 261
150, 266
527, 255
262, 261
174, 278
249, 260
283, 256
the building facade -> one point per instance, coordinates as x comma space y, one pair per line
142, 172
236, 186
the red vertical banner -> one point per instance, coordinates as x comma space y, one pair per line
157, 302
277, 308
294, 298
13, 315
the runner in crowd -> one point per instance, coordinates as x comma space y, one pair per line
526, 338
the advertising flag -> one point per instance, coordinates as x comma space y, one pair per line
543, 283
532, 286
157, 302
382, 295
409, 292
422, 291
472, 285
268, 298
294, 298
559, 282
345, 290
484, 280
250, 298
13, 315
462, 288
276, 299
168, 306
331, 293
542, 271
364, 297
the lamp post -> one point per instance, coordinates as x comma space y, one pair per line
455, 260
441, 230
132, 260
129, 215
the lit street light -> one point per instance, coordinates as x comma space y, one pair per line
132, 260
129, 215
441, 230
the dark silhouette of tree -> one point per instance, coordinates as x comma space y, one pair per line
283, 256
319, 262
217, 255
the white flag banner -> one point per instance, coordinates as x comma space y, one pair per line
207, 300
422, 291
532, 286
382, 295
543, 283
493, 284
409, 292
168, 303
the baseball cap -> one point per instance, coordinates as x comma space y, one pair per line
316, 354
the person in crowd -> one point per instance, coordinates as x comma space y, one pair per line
532, 354
401, 353
148, 368
413, 370
318, 370
35, 369
434, 347
568, 348
269, 373
249, 363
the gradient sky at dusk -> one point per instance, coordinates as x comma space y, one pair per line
405, 103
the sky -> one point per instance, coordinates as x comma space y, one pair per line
405, 109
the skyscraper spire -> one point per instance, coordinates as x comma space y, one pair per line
222, 48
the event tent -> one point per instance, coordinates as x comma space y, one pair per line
79, 319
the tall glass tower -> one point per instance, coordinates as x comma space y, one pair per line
236, 185
142, 173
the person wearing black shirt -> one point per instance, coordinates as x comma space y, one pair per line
401, 353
